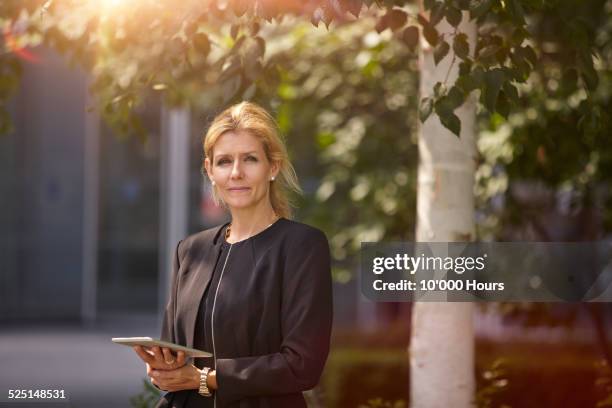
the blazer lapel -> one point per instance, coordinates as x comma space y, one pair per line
196, 279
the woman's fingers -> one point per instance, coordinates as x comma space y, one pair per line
168, 356
157, 354
186, 377
180, 359
144, 355
161, 358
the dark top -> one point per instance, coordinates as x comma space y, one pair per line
272, 314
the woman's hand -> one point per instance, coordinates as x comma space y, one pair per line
160, 359
185, 378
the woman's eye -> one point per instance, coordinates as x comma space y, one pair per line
222, 162
252, 158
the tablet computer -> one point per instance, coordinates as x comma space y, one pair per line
151, 342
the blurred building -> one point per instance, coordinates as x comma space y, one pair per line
87, 217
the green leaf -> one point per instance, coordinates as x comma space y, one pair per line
590, 123
530, 55
382, 24
478, 75
201, 43
261, 43
451, 122
446, 105
238, 44
328, 14
455, 97
431, 35
230, 87
352, 6
232, 69
465, 66
437, 13
439, 89
461, 46
511, 92
325, 139
422, 20
466, 83
479, 8
516, 11
520, 67
463, 4
396, 19
428, 4
494, 80
503, 105
519, 35
569, 80
488, 51
317, 17
453, 16
254, 28
249, 92
440, 52
253, 70
587, 71
234, 30
426, 108
410, 37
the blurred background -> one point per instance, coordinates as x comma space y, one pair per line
91, 208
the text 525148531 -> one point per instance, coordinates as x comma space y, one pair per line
36, 394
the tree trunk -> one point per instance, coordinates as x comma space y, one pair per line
442, 342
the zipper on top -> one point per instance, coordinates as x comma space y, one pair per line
212, 317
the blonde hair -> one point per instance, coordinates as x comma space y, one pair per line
252, 118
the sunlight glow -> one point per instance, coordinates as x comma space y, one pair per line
113, 3
13, 46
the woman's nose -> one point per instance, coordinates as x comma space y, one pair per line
236, 169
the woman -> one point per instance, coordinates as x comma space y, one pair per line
255, 292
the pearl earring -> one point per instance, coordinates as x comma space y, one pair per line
212, 182
272, 178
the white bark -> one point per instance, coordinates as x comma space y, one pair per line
442, 343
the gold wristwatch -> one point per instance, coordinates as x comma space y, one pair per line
204, 391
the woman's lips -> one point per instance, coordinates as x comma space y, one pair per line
236, 189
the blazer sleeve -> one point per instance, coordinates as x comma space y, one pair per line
167, 333
306, 323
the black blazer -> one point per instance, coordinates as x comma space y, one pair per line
283, 314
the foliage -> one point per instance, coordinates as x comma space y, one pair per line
382, 403
375, 376
558, 135
10, 66
213, 51
147, 398
353, 92
494, 383
532, 373
514, 39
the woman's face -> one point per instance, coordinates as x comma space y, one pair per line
240, 170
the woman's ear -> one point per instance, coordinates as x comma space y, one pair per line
207, 168
274, 169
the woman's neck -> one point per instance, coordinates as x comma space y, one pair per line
247, 223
